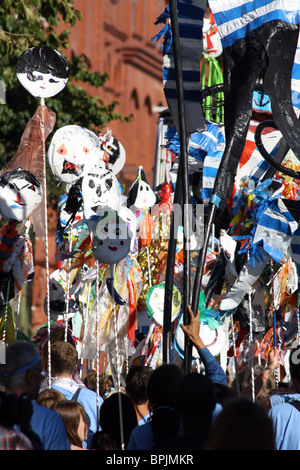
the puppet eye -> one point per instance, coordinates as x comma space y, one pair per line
32, 187
62, 150
34, 78
108, 183
86, 150
12, 186
51, 80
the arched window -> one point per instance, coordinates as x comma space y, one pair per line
135, 99
147, 104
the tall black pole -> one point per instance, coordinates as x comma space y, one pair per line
183, 175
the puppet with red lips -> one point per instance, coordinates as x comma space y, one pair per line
20, 195
73, 151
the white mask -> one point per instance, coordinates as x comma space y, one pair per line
20, 195
100, 188
73, 151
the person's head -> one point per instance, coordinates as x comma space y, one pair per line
110, 420
195, 403
106, 385
162, 390
137, 383
74, 418
64, 359
242, 425
162, 386
49, 396
22, 372
294, 362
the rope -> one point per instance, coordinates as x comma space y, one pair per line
117, 361
5, 313
97, 341
235, 355
47, 249
273, 313
251, 349
68, 289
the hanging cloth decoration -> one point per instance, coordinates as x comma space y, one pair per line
190, 19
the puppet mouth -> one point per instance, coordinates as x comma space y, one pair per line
18, 204
112, 248
69, 167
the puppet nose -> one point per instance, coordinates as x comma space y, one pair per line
18, 197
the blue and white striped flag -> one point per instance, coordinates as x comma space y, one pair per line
274, 230
235, 19
190, 25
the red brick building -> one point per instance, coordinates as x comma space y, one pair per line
116, 35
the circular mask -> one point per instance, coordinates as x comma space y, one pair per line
100, 188
20, 194
155, 299
42, 71
73, 151
110, 235
112, 152
214, 340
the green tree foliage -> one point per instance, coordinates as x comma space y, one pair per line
27, 23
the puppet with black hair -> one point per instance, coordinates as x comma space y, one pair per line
42, 71
20, 195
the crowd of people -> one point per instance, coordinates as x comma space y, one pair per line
164, 409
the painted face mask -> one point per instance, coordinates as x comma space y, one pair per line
58, 284
42, 71
20, 195
73, 151
111, 237
100, 188
113, 154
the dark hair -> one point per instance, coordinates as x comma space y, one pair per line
162, 390
137, 383
242, 425
19, 173
294, 362
43, 59
110, 420
106, 383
